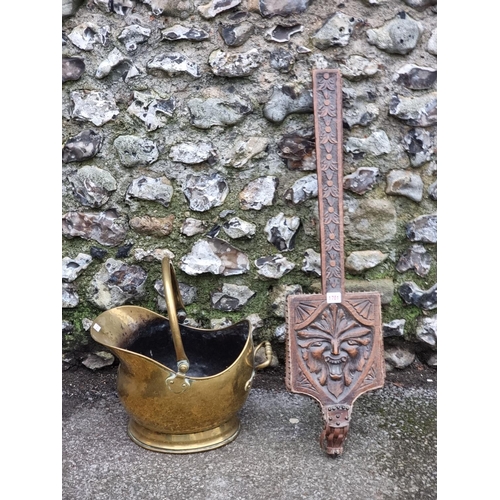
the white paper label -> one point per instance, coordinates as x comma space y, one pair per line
97, 327
333, 297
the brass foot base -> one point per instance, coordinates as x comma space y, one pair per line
184, 443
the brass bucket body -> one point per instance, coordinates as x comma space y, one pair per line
173, 409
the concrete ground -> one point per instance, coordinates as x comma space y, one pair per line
390, 451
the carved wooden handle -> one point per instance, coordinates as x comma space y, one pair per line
327, 98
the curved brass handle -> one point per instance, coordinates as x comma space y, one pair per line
175, 308
269, 354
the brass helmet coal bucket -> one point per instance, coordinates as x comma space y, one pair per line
178, 404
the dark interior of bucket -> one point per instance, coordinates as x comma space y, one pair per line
209, 351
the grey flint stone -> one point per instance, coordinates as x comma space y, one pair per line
417, 258
132, 36
235, 35
419, 146
72, 68
135, 151
432, 43
412, 294
312, 262
218, 323
375, 2
67, 326
98, 360
423, 228
286, 100
179, 32
107, 228
70, 298
215, 256
258, 193
399, 357
152, 254
116, 283
280, 333
359, 261
394, 328
243, 149
336, 31
189, 294
121, 7
116, 60
282, 60
255, 320
70, 7
206, 113
215, 7
375, 144
232, 64
370, 220
271, 8
282, 34
398, 36
420, 5
417, 111
72, 268
151, 110
303, 189
384, 286
86, 35
433, 191
281, 231
192, 226
93, 106
191, 152
205, 191
239, 228
403, 183
92, 186
231, 298
171, 8
273, 266
83, 146
358, 67
426, 330
173, 63
150, 188
358, 110
362, 180
432, 360
416, 77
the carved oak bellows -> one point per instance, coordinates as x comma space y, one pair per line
334, 348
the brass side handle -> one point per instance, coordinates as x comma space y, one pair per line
269, 354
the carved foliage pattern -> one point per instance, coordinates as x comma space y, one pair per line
328, 122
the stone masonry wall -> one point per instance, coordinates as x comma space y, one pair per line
187, 131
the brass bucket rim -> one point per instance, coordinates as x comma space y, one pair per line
161, 365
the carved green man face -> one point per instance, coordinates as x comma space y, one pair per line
335, 347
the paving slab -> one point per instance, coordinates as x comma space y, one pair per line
390, 451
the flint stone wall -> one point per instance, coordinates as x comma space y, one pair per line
188, 132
